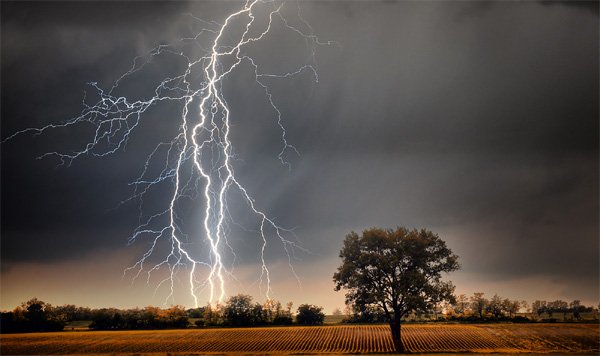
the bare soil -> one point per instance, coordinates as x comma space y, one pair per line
335, 339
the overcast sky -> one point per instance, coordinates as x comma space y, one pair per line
476, 120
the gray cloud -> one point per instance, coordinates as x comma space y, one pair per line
590, 6
478, 121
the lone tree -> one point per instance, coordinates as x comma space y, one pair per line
397, 270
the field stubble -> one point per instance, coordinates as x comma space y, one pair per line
338, 339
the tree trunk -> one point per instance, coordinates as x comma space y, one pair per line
396, 335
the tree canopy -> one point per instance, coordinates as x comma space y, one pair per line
398, 270
310, 315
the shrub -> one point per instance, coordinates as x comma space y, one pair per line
282, 320
33, 315
310, 315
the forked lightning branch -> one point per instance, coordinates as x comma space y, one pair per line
200, 158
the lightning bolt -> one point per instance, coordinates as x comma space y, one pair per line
198, 161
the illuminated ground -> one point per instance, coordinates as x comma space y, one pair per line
481, 338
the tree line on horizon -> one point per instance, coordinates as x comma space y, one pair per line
477, 308
36, 315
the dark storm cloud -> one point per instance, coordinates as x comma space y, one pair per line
50, 50
589, 6
489, 122
473, 9
504, 82
477, 120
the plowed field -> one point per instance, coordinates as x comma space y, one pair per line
509, 338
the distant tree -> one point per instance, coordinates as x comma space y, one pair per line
524, 305
564, 308
348, 311
479, 304
82, 313
271, 308
366, 314
549, 309
213, 315
282, 317
337, 312
133, 319
36, 312
511, 307
32, 315
310, 315
196, 312
539, 307
495, 306
260, 315
558, 306
461, 305
272, 312
239, 311
438, 310
397, 270
19, 313
148, 318
65, 313
103, 319
576, 309
152, 317
447, 309
176, 317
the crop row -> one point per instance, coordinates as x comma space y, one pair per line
324, 339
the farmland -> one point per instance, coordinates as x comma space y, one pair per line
506, 338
